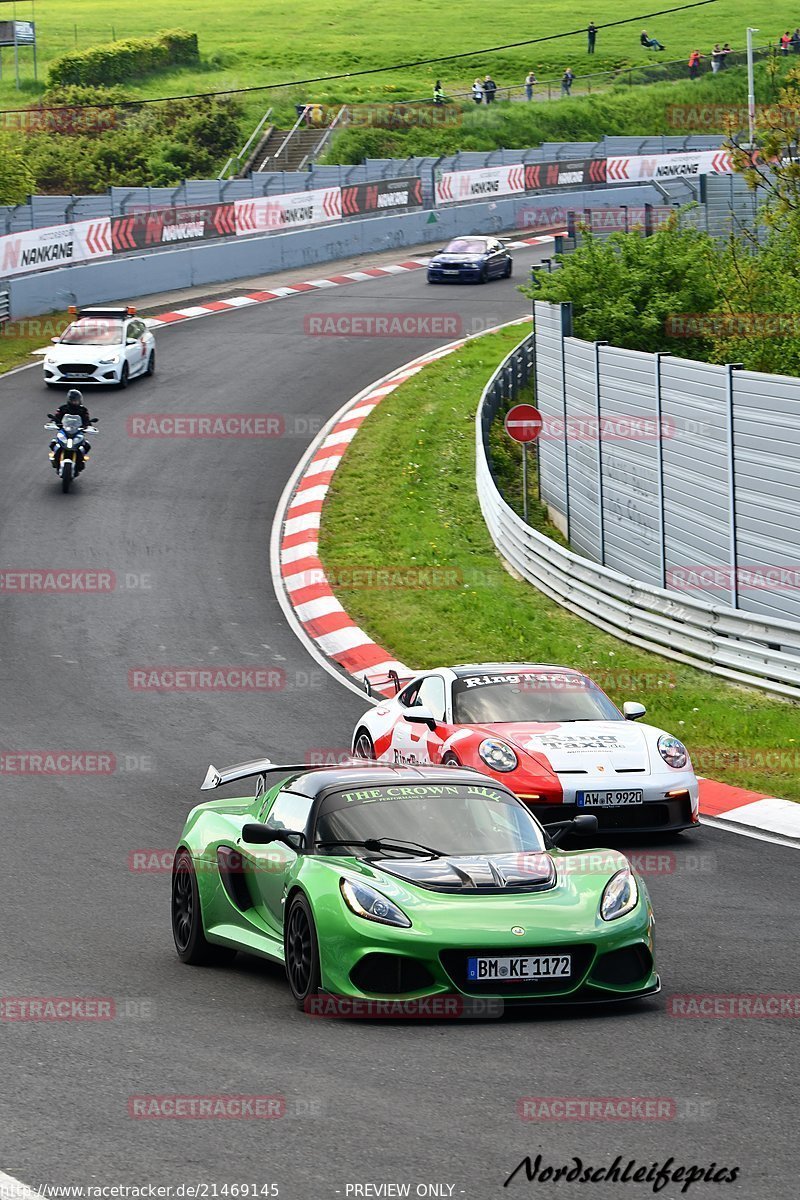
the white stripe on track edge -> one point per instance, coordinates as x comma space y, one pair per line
12, 1189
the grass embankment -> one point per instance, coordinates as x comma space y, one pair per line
251, 43
18, 339
404, 497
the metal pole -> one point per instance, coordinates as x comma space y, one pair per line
662, 550
16, 46
525, 482
751, 88
599, 416
734, 557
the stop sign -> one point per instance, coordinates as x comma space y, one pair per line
523, 423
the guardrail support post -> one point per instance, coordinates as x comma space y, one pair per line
601, 519
734, 557
566, 331
662, 550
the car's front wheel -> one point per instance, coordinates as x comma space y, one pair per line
301, 951
123, 378
187, 918
151, 363
484, 275
508, 270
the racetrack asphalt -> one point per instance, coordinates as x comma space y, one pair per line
184, 526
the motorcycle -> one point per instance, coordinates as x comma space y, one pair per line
68, 450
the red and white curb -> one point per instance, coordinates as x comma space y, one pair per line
351, 655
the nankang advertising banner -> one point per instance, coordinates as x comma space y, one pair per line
172, 226
569, 172
288, 211
54, 246
670, 166
453, 186
384, 195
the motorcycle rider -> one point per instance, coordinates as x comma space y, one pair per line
73, 406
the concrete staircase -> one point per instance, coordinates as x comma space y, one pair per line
271, 154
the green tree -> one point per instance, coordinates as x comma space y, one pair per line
637, 291
17, 179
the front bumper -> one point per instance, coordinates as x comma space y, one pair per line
102, 373
462, 274
611, 961
661, 815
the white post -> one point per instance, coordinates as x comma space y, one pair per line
751, 89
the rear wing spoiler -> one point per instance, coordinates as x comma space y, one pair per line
261, 767
391, 679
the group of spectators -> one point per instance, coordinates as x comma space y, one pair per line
790, 42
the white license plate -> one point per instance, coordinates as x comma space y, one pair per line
610, 799
509, 970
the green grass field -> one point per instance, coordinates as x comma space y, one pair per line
424, 513
251, 42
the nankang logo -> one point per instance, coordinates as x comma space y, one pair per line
57, 252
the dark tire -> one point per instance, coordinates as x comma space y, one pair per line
187, 919
123, 379
363, 746
66, 477
301, 951
509, 269
450, 760
151, 364
484, 275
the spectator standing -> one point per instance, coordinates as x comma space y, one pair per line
650, 43
477, 91
530, 80
786, 41
716, 58
489, 89
438, 93
726, 50
796, 42
566, 82
591, 34
694, 63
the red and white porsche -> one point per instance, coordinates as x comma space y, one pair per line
549, 733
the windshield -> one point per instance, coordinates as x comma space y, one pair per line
465, 246
71, 423
530, 696
452, 818
92, 333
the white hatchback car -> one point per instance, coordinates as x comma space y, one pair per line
101, 346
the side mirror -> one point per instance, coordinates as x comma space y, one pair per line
585, 825
632, 711
261, 835
55, 340
420, 716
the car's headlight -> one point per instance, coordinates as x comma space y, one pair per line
364, 901
620, 895
113, 359
498, 755
673, 752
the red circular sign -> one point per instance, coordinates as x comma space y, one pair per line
523, 423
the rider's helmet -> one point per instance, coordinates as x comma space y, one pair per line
74, 396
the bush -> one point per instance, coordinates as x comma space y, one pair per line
16, 176
125, 60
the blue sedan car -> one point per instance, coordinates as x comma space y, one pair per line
470, 260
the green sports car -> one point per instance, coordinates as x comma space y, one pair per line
382, 883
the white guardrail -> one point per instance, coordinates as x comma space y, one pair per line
760, 651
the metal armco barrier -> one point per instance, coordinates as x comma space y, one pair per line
744, 647
162, 227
